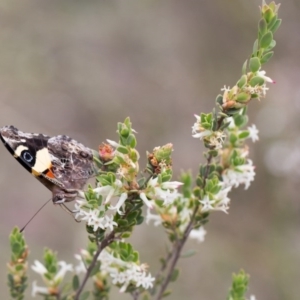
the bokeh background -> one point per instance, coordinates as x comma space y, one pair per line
79, 67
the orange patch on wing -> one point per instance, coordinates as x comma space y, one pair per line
50, 174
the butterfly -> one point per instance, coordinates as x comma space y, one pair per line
60, 163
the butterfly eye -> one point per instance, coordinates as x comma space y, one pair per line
27, 156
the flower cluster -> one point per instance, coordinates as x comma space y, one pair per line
203, 128
122, 272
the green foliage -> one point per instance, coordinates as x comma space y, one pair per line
17, 267
119, 177
239, 286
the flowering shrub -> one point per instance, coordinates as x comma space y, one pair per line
114, 207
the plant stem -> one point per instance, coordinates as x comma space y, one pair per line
107, 240
176, 254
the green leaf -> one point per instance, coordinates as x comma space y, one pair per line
232, 139
262, 26
266, 57
167, 293
132, 141
276, 25
122, 223
243, 80
268, 15
272, 45
123, 150
219, 99
244, 134
84, 295
255, 48
266, 40
175, 275
19, 267
214, 153
75, 282
244, 68
139, 220
188, 253
243, 97
239, 286
16, 248
95, 269
240, 120
126, 235
254, 64
256, 80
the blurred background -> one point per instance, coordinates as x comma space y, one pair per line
79, 67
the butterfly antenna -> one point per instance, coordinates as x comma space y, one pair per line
35, 214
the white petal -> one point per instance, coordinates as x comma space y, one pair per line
145, 200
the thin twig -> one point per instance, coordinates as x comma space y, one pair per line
164, 266
180, 243
107, 240
176, 254
135, 295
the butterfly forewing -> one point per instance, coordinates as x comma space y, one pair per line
62, 164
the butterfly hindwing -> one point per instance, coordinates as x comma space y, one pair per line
72, 162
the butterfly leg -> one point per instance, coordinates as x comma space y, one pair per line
70, 212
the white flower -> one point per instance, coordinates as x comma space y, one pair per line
152, 217
262, 74
171, 184
80, 268
206, 204
196, 125
119, 204
264, 89
93, 219
230, 120
218, 201
222, 201
225, 89
166, 191
202, 134
89, 216
253, 133
78, 208
198, 234
145, 281
118, 277
198, 131
64, 268
242, 174
108, 191
37, 290
39, 268
252, 297
146, 200
124, 273
217, 139
108, 222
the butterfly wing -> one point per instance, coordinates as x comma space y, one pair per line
29, 149
72, 162
62, 164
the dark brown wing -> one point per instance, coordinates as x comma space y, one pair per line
72, 162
